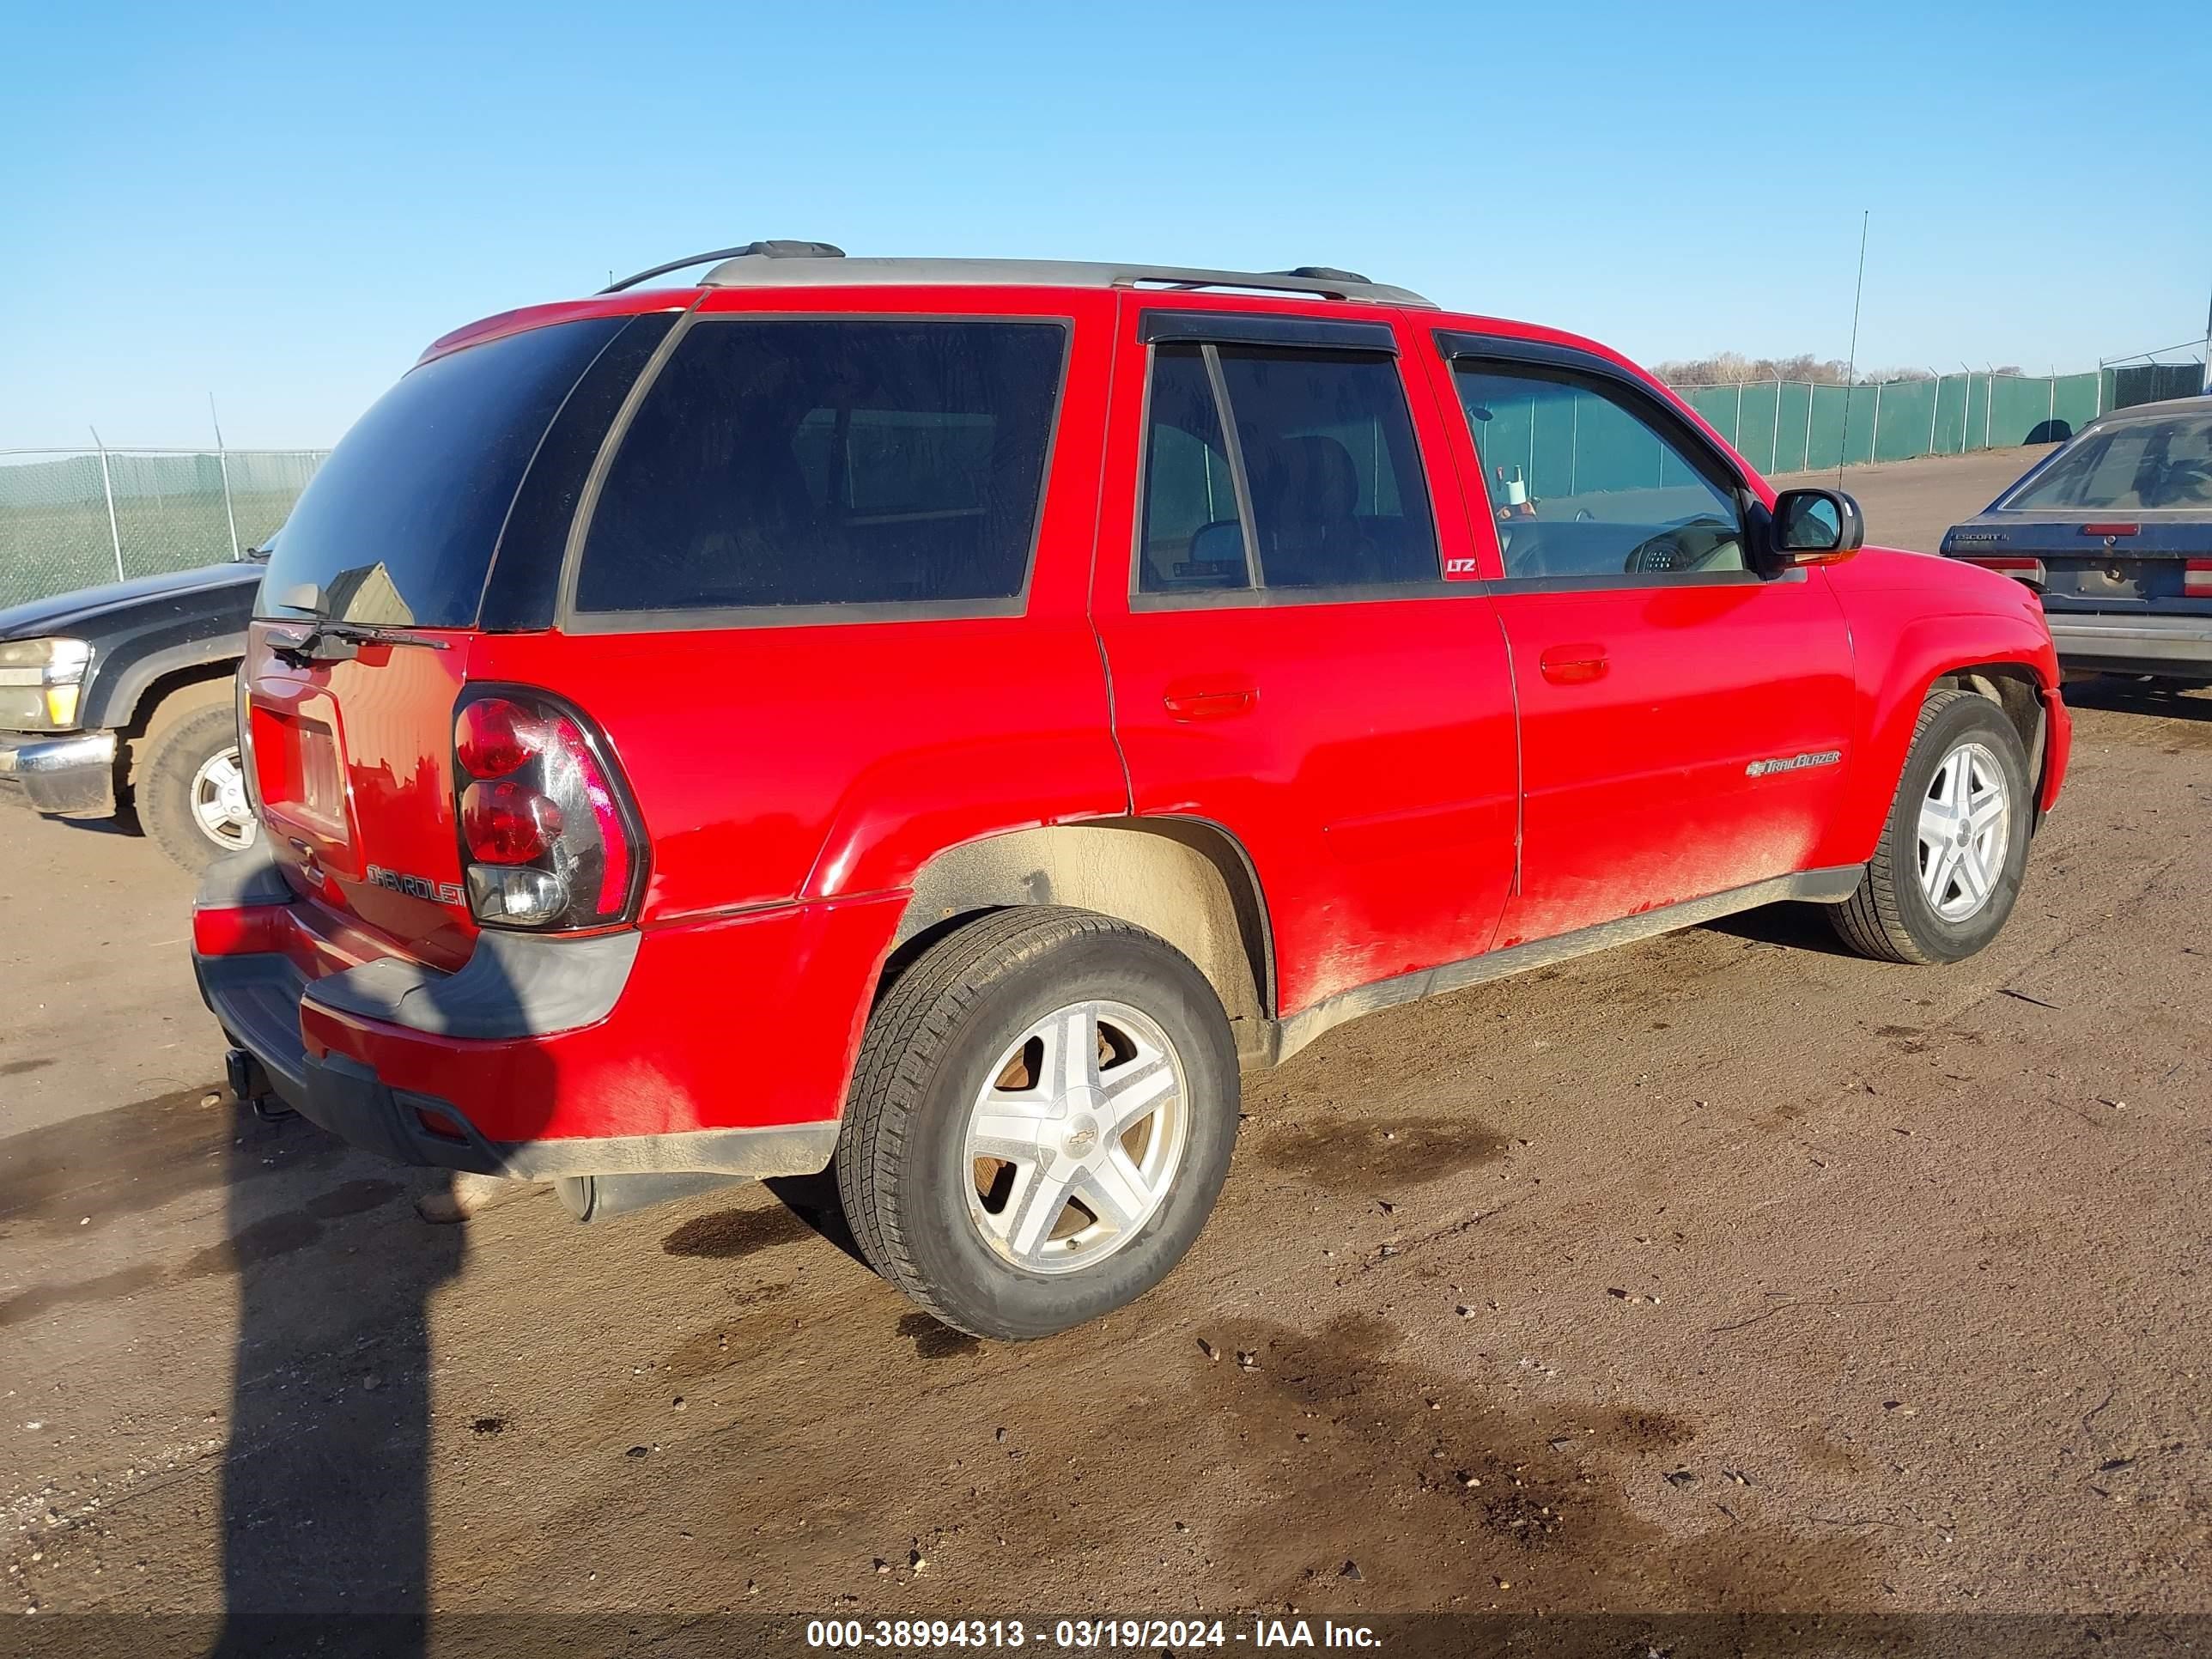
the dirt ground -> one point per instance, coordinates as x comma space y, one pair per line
1725, 1271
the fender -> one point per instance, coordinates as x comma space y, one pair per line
1897, 665
121, 684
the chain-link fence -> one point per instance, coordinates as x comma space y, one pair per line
73, 518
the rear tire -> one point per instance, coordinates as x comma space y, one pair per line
1115, 1138
187, 783
1933, 893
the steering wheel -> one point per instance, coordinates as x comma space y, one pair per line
1670, 548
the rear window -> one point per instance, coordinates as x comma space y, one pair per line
2133, 465
777, 462
399, 523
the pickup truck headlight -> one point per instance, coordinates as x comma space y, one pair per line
40, 683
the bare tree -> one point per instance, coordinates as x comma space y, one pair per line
1728, 367
1731, 368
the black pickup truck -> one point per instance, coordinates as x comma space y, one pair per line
117, 702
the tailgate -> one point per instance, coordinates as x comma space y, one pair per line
354, 762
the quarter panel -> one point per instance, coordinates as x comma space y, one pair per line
827, 757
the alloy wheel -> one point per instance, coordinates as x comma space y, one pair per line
220, 807
1077, 1137
1965, 825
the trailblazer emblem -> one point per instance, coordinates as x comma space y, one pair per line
1793, 763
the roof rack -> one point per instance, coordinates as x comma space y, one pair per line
817, 265
750, 251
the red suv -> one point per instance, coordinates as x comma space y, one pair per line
944, 718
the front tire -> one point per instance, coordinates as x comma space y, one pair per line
1040, 1122
189, 785
1948, 867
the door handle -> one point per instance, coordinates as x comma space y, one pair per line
1574, 665
1211, 705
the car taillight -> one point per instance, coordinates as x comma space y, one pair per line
495, 736
506, 823
2111, 529
2197, 579
241, 706
2027, 570
549, 839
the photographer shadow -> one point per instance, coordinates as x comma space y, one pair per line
325, 1483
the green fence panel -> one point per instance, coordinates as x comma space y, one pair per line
1756, 433
1948, 424
1718, 404
2149, 382
1903, 422
2019, 411
2078, 400
1824, 443
1793, 427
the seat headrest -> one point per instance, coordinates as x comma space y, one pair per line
1312, 478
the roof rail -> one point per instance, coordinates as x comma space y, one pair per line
750, 251
769, 264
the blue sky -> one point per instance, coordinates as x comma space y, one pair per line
281, 209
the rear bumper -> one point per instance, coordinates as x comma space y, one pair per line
2133, 645
69, 777
700, 1048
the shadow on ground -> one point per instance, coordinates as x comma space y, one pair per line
325, 1479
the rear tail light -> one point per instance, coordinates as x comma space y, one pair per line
241, 703
2197, 579
2027, 570
549, 839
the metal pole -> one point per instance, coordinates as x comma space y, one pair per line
1874, 437
1934, 413
222, 461
1851, 374
1737, 436
1989, 401
108, 489
1809, 389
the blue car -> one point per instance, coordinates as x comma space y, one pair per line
2113, 530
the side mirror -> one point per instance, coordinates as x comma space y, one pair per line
1815, 527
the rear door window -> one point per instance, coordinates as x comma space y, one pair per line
780, 462
1193, 534
398, 525
1330, 471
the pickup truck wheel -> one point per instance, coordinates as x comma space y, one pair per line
190, 786
1948, 867
1040, 1122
